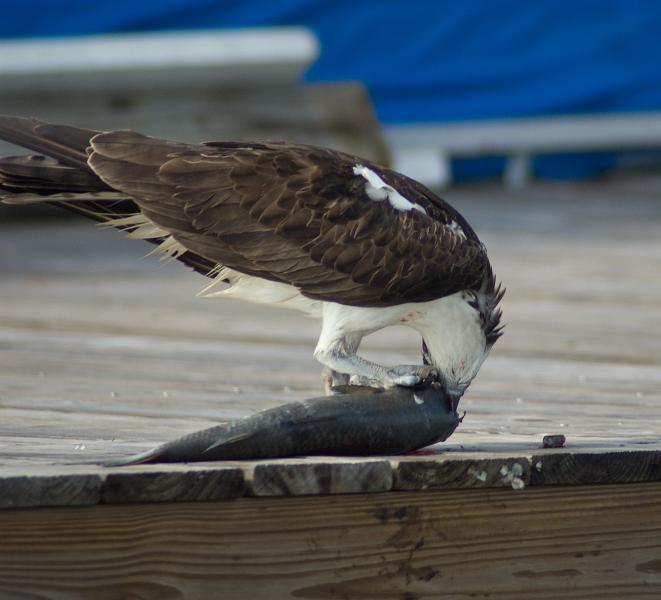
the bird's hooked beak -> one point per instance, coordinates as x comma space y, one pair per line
453, 398
453, 393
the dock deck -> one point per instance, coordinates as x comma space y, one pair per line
103, 354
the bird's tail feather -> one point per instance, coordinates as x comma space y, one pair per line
65, 143
39, 179
60, 175
61, 166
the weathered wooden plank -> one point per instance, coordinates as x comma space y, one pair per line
338, 115
577, 542
35, 483
320, 476
85, 485
103, 354
182, 484
454, 472
583, 468
58, 489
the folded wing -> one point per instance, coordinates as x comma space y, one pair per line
295, 214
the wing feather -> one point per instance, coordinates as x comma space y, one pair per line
296, 214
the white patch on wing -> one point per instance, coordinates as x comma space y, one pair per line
457, 229
418, 399
378, 190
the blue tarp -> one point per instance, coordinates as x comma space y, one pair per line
427, 60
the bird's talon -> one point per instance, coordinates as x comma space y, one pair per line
411, 376
407, 380
364, 381
429, 374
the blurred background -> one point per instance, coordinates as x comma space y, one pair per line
394, 81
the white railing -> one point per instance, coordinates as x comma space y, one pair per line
424, 151
215, 56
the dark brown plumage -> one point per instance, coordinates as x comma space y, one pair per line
360, 246
290, 213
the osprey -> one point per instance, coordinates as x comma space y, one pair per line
358, 245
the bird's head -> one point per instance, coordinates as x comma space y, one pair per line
459, 337
453, 378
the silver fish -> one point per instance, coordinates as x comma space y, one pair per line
359, 421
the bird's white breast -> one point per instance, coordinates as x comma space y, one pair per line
262, 291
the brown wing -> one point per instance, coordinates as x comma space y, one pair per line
65, 179
295, 214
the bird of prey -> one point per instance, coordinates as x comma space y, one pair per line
360, 246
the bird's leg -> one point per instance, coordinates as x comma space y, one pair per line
364, 381
341, 333
332, 377
339, 358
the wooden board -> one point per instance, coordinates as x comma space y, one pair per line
537, 544
103, 353
337, 115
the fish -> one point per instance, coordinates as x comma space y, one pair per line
356, 421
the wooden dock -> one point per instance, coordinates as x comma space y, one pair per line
103, 353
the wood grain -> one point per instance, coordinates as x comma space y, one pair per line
103, 354
622, 466
182, 484
471, 472
58, 485
338, 115
321, 476
60, 489
576, 543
